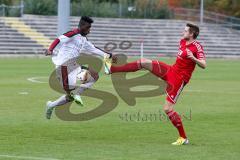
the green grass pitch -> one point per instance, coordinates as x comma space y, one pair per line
213, 96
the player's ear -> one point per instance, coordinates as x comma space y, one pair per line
191, 34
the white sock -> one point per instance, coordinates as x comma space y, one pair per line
85, 86
60, 101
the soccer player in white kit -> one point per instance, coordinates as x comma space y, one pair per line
65, 50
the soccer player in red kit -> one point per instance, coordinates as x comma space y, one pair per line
177, 75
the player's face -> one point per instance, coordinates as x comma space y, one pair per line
186, 33
85, 29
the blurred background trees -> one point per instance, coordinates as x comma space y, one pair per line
127, 8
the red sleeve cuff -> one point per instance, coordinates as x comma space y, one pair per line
54, 44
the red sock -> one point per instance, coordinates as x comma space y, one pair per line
177, 122
129, 67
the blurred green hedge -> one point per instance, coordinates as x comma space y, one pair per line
122, 8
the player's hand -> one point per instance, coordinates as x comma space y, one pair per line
190, 54
47, 52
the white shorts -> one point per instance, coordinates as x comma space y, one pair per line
67, 75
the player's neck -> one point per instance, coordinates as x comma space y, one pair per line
190, 41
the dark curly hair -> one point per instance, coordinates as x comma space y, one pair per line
84, 20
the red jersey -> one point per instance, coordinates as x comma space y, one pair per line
185, 66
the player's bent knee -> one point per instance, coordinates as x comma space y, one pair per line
168, 107
146, 63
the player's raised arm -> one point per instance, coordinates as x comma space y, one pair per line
89, 48
61, 39
199, 60
202, 63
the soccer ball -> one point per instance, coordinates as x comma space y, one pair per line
84, 76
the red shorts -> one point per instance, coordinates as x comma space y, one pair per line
175, 83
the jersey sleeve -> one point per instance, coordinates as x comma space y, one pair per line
61, 39
200, 53
89, 48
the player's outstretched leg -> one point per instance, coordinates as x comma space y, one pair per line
177, 122
129, 67
78, 91
90, 77
53, 104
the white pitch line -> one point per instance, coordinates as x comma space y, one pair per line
23, 93
36, 79
26, 157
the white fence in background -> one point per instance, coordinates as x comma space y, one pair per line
209, 17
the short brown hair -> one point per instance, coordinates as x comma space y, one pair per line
193, 29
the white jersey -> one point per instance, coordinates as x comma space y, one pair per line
70, 45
